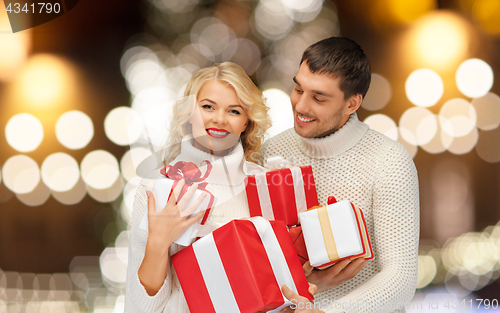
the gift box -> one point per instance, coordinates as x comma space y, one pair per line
162, 191
281, 194
298, 242
240, 267
335, 232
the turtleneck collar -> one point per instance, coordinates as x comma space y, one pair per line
338, 142
226, 170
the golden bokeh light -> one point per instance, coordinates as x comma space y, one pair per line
378, 95
465, 144
457, 117
99, 169
424, 87
418, 126
14, 48
73, 196
488, 146
131, 159
36, 197
488, 111
60, 172
383, 124
426, 271
487, 14
45, 81
409, 10
439, 143
474, 78
280, 110
74, 130
438, 40
123, 126
21, 174
24, 132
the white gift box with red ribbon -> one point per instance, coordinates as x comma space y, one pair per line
335, 232
162, 191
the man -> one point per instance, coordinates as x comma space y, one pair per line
352, 162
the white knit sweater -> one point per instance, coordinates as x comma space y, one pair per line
378, 175
226, 182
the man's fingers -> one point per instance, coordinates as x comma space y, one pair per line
312, 289
151, 202
307, 268
337, 268
289, 294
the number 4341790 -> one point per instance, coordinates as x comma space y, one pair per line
486, 304
33, 8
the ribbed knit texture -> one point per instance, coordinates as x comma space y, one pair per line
231, 204
378, 175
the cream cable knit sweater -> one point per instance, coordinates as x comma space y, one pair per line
378, 175
231, 204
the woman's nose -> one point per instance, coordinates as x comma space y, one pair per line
219, 117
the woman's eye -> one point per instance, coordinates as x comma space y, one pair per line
235, 112
207, 106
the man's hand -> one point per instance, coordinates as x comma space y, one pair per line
300, 304
334, 275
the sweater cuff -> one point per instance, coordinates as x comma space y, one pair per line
143, 301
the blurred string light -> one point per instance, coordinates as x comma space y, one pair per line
108, 194
378, 95
271, 20
243, 52
426, 270
457, 117
474, 78
424, 87
411, 148
123, 126
37, 196
14, 48
465, 144
212, 34
99, 169
439, 40
383, 124
74, 130
486, 13
176, 6
439, 143
488, 146
131, 159
418, 126
24, 132
60, 172
46, 80
73, 196
488, 111
21, 174
394, 12
303, 10
280, 110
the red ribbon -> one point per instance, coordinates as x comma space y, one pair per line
191, 174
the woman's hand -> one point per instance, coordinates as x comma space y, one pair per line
165, 227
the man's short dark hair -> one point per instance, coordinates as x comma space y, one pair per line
340, 57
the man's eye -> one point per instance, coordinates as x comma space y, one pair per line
298, 90
317, 100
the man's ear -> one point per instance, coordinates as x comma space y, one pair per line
354, 102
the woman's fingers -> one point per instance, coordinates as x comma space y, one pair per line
196, 218
151, 202
196, 203
176, 192
182, 202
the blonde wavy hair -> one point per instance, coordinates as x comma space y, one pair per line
250, 97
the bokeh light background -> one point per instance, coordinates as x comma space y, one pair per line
80, 95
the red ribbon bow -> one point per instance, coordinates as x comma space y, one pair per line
191, 174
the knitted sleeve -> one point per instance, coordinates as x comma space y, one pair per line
396, 234
137, 299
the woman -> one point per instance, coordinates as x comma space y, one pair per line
222, 119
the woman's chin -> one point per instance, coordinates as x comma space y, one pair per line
216, 146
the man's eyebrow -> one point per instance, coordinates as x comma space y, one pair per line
318, 92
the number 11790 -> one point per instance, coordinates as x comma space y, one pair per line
33, 8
